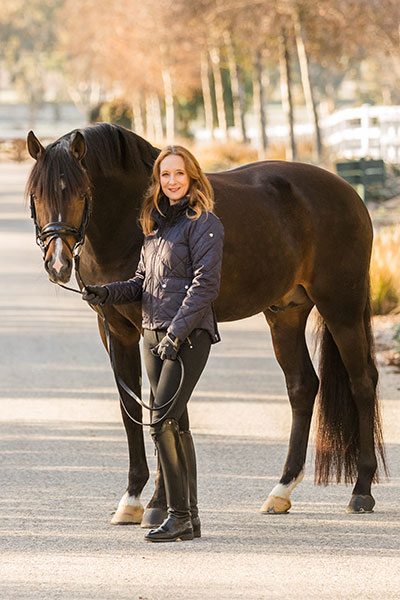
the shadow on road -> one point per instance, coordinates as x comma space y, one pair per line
60, 482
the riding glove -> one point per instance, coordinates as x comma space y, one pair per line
95, 294
168, 348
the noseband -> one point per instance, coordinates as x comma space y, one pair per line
58, 229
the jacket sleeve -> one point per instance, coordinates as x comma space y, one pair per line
124, 292
206, 237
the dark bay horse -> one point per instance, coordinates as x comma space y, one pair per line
296, 236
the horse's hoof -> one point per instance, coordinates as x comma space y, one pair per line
128, 515
153, 517
274, 505
360, 504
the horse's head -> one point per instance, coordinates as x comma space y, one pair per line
59, 192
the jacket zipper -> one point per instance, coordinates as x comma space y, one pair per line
153, 262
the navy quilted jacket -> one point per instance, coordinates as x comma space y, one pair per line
178, 274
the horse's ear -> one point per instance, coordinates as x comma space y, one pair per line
78, 146
35, 148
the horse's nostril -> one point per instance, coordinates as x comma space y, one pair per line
67, 263
46, 264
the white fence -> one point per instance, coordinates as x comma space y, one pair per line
365, 131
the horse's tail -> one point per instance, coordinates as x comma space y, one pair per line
337, 435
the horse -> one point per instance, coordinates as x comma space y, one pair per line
296, 236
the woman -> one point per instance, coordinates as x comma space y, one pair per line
177, 279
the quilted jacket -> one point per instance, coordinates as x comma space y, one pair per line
178, 274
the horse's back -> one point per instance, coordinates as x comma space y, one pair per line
314, 185
306, 200
287, 224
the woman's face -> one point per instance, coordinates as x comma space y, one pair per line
174, 179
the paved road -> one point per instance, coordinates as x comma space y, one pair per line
64, 461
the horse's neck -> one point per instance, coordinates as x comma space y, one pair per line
118, 185
113, 231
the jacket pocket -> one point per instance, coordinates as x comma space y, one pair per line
174, 285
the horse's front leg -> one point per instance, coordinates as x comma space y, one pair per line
156, 509
125, 341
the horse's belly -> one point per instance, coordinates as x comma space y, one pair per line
250, 295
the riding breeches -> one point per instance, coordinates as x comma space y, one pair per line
165, 375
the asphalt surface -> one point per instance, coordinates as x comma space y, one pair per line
63, 464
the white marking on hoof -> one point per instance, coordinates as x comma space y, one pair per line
129, 511
129, 501
279, 499
284, 491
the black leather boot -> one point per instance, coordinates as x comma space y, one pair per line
190, 454
178, 524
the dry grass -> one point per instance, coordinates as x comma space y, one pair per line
220, 156
385, 271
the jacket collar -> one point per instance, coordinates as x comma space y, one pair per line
171, 213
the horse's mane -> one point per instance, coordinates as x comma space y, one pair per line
109, 148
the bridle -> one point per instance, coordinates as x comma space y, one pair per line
58, 229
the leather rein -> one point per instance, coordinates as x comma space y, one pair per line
59, 229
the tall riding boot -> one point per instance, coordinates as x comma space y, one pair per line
178, 525
190, 453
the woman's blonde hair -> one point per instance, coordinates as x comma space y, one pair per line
201, 197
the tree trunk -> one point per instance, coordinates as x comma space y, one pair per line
237, 89
286, 90
169, 105
219, 90
259, 104
150, 125
33, 108
137, 124
307, 84
239, 71
158, 125
206, 89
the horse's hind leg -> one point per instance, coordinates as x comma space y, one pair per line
288, 337
348, 435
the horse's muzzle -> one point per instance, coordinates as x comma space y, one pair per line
59, 271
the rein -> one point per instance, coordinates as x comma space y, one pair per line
118, 379
55, 230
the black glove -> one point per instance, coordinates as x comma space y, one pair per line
168, 348
95, 294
